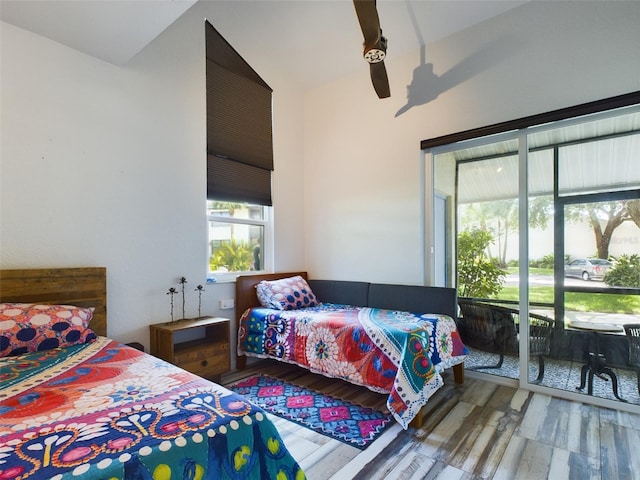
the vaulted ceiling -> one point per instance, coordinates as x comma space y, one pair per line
314, 41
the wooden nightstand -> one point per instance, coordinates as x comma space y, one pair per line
207, 356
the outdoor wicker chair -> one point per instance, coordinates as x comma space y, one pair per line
633, 336
494, 329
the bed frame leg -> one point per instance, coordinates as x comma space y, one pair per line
458, 377
241, 362
417, 420
458, 373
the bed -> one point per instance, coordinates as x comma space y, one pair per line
393, 339
76, 404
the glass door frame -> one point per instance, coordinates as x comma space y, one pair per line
523, 136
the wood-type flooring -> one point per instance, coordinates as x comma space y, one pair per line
478, 430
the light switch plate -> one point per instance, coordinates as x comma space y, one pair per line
227, 304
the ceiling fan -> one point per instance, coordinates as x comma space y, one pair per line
375, 45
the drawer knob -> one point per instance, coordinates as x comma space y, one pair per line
205, 363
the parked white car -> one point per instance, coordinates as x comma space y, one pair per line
587, 268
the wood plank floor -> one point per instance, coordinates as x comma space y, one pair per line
479, 430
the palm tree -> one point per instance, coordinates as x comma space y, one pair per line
232, 255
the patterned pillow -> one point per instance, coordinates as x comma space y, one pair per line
286, 293
27, 327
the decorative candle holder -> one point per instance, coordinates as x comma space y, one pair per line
172, 291
183, 281
199, 289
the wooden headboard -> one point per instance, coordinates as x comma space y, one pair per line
246, 296
82, 287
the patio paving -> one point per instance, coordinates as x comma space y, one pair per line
560, 374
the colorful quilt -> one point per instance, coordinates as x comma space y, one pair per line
388, 351
107, 411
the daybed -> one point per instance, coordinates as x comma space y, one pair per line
392, 339
80, 405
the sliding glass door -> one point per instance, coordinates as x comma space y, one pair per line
544, 226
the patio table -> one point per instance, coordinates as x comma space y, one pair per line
596, 361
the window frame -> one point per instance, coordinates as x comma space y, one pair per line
267, 255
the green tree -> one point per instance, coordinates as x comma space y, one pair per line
478, 276
234, 256
501, 218
633, 209
216, 205
604, 218
625, 272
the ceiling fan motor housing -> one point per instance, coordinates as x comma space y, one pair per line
377, 53
374, 55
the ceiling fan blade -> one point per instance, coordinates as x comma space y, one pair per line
379, 79
367, 14
375, 45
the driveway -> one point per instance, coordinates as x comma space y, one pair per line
513, 280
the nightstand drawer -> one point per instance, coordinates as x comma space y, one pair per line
207, 361
198, 350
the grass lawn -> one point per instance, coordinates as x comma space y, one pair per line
579, 302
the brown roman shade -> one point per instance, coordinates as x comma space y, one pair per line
239, 126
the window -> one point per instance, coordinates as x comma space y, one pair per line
238, 238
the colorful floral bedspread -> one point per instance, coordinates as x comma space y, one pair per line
106, 411
388, 351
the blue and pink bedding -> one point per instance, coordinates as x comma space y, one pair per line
387, 351
103, 410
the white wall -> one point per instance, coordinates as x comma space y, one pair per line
106, 166
363, 165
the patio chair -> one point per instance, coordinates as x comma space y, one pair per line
633, 336
494, 329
